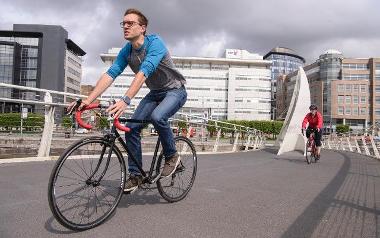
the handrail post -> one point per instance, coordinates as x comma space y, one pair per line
349, 144
365, 146
217, 138
47, 134
357, 146
248, 141
236, 139
375, 150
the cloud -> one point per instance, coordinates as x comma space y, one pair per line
208, 45
206, 28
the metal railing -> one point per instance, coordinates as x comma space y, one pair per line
366, 145
229, 137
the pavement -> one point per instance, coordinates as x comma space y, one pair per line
247, 194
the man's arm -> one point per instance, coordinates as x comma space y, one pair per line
305, 121
103, 83
118, 108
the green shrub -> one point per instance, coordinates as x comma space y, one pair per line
340, 128
268, 127
13, 120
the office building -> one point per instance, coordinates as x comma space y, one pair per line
39, 56
234, 87
346, 90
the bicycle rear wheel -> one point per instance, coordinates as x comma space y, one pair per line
177, 186
79, 196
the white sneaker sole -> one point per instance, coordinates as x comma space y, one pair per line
130, 190
176, 165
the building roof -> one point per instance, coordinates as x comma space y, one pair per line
74, 47
284, 51
332, 51
21, 34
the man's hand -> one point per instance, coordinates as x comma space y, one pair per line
318, 129
73, 104
117, 109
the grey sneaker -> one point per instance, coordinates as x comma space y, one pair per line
133, 183
170, 165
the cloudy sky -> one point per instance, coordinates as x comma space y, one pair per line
208, 27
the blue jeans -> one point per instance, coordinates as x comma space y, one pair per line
157, 106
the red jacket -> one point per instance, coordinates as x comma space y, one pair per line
314, 122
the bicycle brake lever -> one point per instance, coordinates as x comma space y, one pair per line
75, 107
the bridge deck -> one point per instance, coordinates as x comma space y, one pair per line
234, 195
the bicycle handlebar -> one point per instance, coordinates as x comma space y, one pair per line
78, 117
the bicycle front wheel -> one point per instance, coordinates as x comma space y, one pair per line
175, 187
308, 153
86, 183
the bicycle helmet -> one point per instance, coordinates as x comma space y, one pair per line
313, 107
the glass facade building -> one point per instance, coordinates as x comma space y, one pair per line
284, 61
38, 56
19, 65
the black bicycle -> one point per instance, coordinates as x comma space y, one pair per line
87, 181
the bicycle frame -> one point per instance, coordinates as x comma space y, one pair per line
115, 135
112, 137
311, 143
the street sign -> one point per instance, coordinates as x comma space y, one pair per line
24, 113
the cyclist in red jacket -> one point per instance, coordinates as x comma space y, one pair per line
314, 118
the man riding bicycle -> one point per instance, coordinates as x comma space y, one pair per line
152, 64
314, 118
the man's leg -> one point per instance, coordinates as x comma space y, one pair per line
133, 138
318, 137
171, 103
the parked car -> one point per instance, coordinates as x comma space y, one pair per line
81, 131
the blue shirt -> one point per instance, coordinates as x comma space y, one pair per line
152, 59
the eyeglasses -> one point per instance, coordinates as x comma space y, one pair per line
128, 24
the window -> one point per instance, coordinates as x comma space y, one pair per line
363, 88
348, 99
377, 111
340, 88
355, 99
340, 99
355, 88
377, 100
377, 88
356, 77
348, 111
355, 66
348, 88
340, 110
363, 111
200, 66
363, 100
355, 111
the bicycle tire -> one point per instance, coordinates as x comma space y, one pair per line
79, 157
183, 178
308, 154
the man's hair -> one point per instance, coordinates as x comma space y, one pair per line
142, 19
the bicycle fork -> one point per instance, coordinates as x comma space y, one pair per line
96, 182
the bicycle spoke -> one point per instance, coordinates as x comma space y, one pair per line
74, 173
